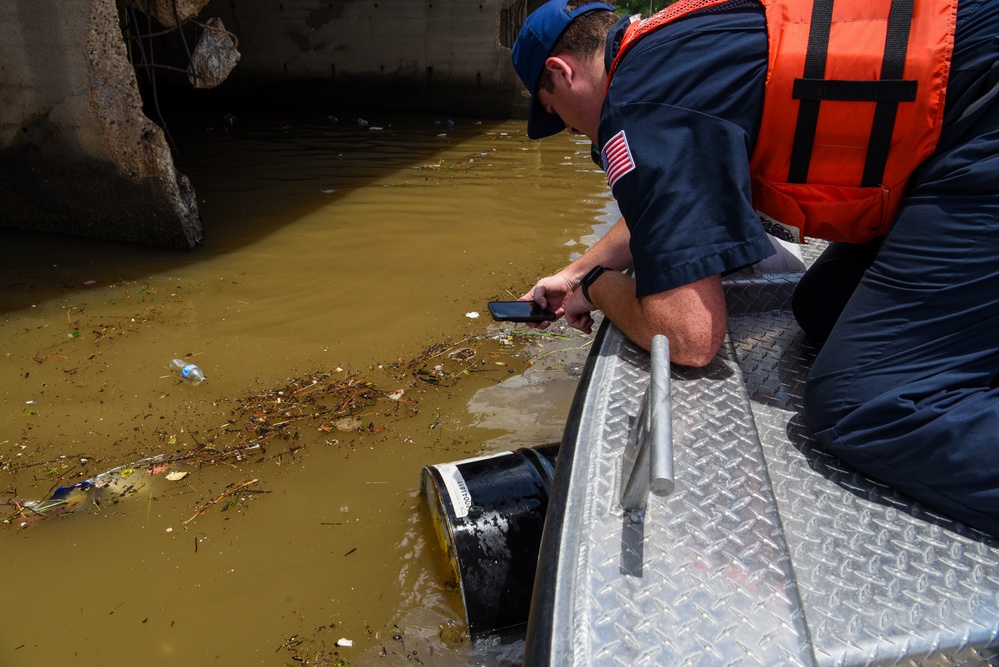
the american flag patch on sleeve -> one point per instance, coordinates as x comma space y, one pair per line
616, 156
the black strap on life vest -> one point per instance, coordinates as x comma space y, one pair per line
886, 92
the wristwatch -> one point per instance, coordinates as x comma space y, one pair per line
589, 279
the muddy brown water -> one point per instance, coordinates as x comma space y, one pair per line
333, 251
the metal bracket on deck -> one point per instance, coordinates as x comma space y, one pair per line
648, 456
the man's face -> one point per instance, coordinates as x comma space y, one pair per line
573, 99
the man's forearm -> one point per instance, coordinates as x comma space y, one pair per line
693, 316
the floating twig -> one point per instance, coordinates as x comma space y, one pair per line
204, 508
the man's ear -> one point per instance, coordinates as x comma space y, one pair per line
560, 67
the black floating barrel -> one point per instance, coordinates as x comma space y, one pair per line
488, 513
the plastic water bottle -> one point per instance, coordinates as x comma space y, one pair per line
189, 372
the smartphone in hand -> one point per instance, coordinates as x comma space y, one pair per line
520, 311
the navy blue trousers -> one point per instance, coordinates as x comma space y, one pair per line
906, 386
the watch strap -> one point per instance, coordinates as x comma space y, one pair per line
591, 278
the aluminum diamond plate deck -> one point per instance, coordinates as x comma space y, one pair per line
770, 551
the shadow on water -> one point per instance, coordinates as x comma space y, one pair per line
292, 164
358, 256
277, 167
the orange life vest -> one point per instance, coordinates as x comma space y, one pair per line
853, 104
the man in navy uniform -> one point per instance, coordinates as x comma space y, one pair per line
906, 386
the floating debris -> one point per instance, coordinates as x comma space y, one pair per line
67, 498
461, 354
336, 400
204, 508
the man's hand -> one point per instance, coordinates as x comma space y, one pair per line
578, 312
551, 291
611, 251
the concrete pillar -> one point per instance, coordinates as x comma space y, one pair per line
77, 155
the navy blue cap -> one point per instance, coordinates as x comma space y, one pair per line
534, 43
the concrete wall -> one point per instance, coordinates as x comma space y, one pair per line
441, 55
78, 156
76, 153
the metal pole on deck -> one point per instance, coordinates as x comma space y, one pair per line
648, 456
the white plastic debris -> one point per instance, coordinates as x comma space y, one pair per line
344, 642
472, 315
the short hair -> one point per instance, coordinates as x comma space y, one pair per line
586, 35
